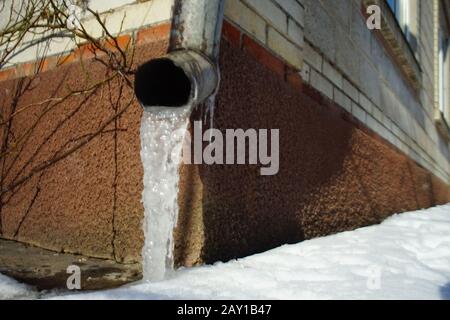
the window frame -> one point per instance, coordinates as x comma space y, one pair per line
443, 69
402, 13
400, 49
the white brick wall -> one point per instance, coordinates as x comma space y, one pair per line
350, 90
312, 57
270, 12
284, 48
359, 112
305, 72
106, 5
276, 24
128, 15
131, 17
365, 103
295, 33
294, 8
321, 83
246, 18
341, 99
331, 73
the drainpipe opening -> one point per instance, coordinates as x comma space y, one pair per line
181, 80
160, 82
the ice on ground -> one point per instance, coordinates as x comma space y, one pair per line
405, 257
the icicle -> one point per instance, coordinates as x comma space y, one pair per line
161, 141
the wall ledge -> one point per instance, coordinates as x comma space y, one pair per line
395, 42
442, 125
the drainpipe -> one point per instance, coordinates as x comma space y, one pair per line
189, 73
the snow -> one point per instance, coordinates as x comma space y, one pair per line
405, 257
11, 289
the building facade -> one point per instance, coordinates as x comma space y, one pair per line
363, 117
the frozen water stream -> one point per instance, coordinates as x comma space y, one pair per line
162, 136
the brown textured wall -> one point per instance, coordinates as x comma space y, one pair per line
88, 202
333, 176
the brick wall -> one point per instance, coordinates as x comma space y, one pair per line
120, 17
276, 24
349, 64
328, 42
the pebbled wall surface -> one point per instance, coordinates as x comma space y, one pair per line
88, 202
334, 175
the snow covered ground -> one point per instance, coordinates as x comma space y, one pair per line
406, 257
11, 289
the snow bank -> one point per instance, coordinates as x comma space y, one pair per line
11, 289
406, 257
